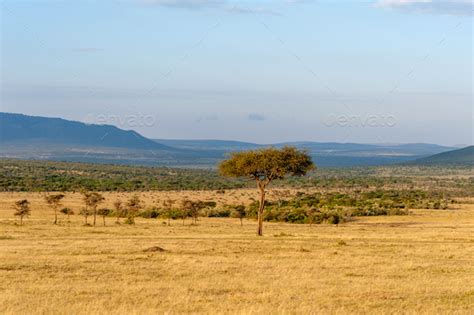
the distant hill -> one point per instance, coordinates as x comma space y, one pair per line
325, 154
463, 156
42, 138
357, 149
410, 149
209, 145
20, 128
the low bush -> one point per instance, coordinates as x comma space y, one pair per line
217, 213
152, 213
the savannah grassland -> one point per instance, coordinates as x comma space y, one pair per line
418, 263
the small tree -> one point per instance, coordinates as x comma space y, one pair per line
184, 211
239, 212
168, 210
85, 213
119, 210
92, 201
22, 209
67, 212
134, 205
194, 208
311, 213
104, 212
264, 166
55, 202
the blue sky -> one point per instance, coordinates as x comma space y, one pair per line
353, 71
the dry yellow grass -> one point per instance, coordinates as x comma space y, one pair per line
421, 263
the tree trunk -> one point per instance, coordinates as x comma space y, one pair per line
95, 215
55, 216
21, 220
241, 222
169, 221
260, 209
104, 219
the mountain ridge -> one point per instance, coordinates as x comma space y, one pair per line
24, 128
34, 137
464, 156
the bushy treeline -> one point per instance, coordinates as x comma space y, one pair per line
452, 181
315, 208
337, 207
17, 175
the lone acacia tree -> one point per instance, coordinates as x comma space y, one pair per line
22, 209
55, 202
265, 166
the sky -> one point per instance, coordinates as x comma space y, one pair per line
392, 71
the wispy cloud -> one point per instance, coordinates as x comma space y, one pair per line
229, 6
186, 4
86, 49
254, 10
256, 117
299, 1
447, 7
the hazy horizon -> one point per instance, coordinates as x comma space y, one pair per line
387, 71
265, 143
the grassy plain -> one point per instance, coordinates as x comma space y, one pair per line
420, 263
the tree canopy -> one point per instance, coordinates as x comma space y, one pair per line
267, 164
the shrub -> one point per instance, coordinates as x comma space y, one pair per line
334, 218
129, 221
152, 213
297, 215
171, 214
67, 212
240, 212
133, 206
217, 213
